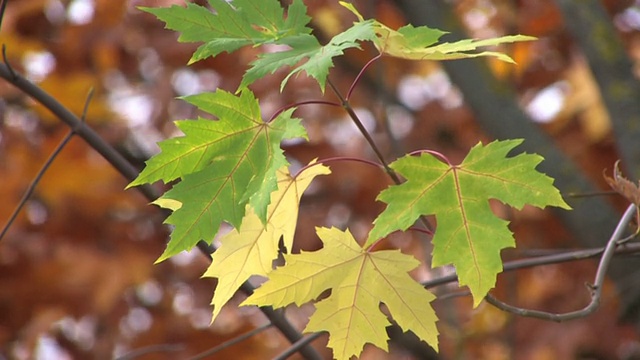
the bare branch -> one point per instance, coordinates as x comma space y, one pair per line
595, 289
14, 75
556, 258
34, 183
45, 166
3, 8
297, 345
163, 348
231, 342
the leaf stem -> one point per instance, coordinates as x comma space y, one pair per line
360, 74
424, 231
412, 228
437, 154
356, 120
338, 159
373, 245
308, 102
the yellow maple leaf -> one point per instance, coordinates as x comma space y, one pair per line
252, 249
359, 281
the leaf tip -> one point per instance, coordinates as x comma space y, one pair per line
162, 258
134, 183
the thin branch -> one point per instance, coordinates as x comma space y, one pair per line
297, 345
45, 167
576, 195
3, 8
130, 173
12, 72
437, 154
356, 120
557, 258
231, 342
595, 289
83, 130
34, 183
163, 348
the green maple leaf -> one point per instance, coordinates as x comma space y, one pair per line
222, 164
359, 281
468, 234
318, 58
234, 24
420, 43
251, 249
253, 23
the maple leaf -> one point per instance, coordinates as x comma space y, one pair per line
468, 234
318, 58
420, 43
234, 25
222, 164
359, 281
248, 22
251, 249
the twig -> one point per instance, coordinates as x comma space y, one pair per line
83, 130
356, 120
130, 172
557, 258
231, 342
35, 182
162, 348
45, 167
14, 75
595, 289
3, 7
590, 194
297, 345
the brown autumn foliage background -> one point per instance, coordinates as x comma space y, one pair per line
77, 279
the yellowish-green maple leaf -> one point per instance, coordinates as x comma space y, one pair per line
420, 43
468, 234
359, 281
251, 249
223, 165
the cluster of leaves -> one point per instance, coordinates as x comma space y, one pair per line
233, 170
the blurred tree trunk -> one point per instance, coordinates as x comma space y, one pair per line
595, 34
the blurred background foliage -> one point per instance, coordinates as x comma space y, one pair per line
77, 279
